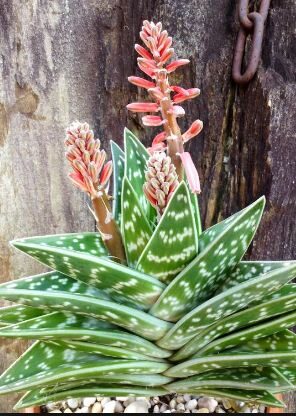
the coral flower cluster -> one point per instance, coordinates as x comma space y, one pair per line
164, 107
90, 173
161, 180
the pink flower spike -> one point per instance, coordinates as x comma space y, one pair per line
156, 92
158, 147
166, 56
147, 63
141, 82
178, 111
175, 64
179, 90
146, 71
143, 52
143, 107
152, 121
77, 181
105, 174
191, 172
160, 137
191, 93
195, 128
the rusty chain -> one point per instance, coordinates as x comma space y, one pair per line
250, 24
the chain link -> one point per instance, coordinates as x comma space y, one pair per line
251, 24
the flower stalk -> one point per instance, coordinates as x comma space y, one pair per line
153, 61
91, 175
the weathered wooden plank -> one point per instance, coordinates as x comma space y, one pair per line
69, 59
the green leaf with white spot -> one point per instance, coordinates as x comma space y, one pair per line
136, 157
225, 304
285, 340
290, 374
247, 270
37, 397
202, 277
120, 282
257, 396
259, 378
10, 315
55, 282
174, 242
231, 360
284, 302
50, 363
134, 320
118, 159
68, 326
136, 230
196, 212
249, 334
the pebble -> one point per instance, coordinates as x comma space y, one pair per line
89, 401
73, 403
192, 404
68, 410
138, 406
97, 408
110, 406
129, 401
119, 407
203, 410
104, 401
55, 411
208, 403
181, 407
163, 408
173, 404
84, 409
156, 409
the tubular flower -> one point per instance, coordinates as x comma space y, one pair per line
90, 173
154, 61
161, 180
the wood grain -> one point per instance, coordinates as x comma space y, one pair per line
63, 60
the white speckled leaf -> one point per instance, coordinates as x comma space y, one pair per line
225, 304
10, 315
196, 213
126, 317
54, 282
284, 340
259, 378
118, 158
231, 360
120, 282
65, 325
37, 397
202, 277
136, 157
290, 374
247, 270
249, 334
49, 363
257, 396
135, 228
174, 242
266, 309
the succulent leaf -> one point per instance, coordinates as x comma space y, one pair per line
174, 242
259, 378
231, 360
37, 397
117, 280
126, 317
225, 304
118, 158
136, 158
136, 230
285, 302
247, 270
249, 334
14, 314
68, 326
202, 277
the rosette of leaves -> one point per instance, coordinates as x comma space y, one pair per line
184, 314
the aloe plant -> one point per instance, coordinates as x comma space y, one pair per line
150, 303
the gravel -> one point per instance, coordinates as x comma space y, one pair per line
165, 404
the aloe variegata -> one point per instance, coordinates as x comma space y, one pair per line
150, 303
